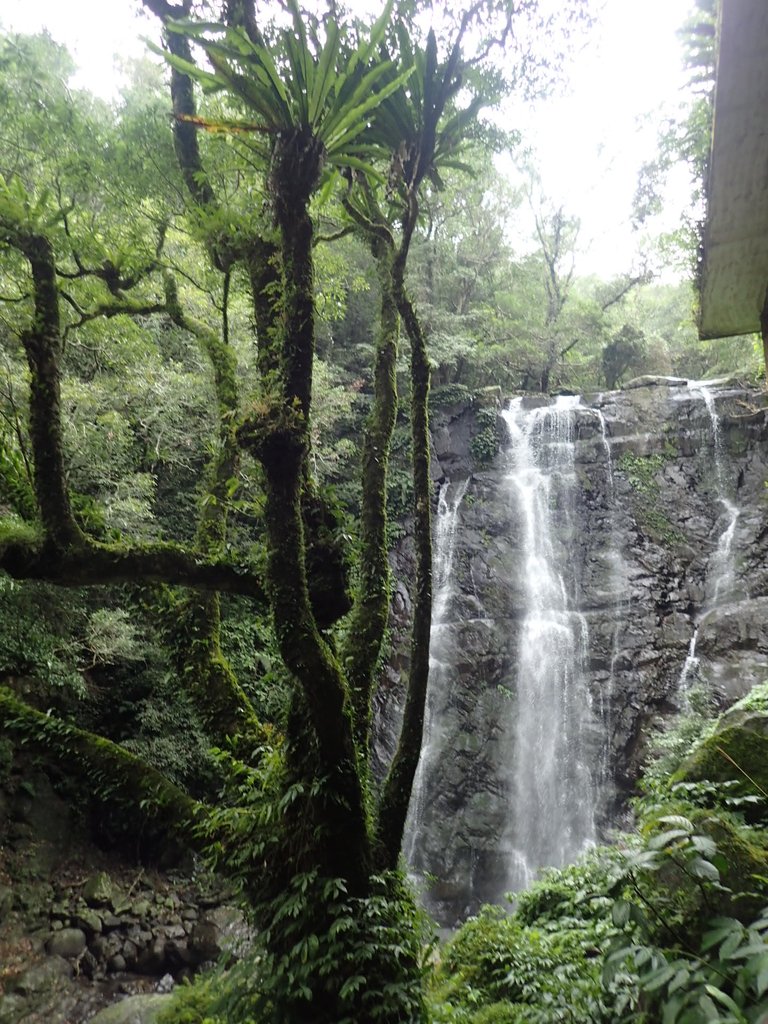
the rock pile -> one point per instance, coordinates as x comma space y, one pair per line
104, 929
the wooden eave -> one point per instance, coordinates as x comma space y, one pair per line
734, 278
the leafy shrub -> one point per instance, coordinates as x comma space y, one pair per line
486, 443
166, 733
499, 969
690, 965
38, 629
6, 759
338, 957
669, 929
445, 395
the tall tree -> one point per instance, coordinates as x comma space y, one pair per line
301, 103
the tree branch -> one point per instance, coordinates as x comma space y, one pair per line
113, 774
89, 563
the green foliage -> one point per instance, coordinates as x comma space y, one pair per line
159, 724
686, 899
39, 627
485, 445
622, 353
668, 926
335, 965
643, 473
112, 637
16, 489
192, 1002
250, 647
671, 747
691, 963
6, 760
289, 87
538, 964
446, 395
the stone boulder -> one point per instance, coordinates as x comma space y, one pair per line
141, 1009
736, 750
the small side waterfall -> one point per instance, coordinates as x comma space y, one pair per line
690, 666
440, 657
721, 568
553, 789
720, 579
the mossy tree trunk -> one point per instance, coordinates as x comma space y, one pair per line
399, 782
43, 347
279, 436
368, 621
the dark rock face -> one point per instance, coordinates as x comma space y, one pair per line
666, 534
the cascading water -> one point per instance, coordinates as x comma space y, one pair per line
553, 790
690, 666
563, 615
721, 568
618, 584
440, 656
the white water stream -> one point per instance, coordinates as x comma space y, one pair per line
553, 791
440, 655
527, 752
721, 568
720, 579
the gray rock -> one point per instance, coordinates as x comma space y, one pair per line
6, 902
97, 891
141, 1009
69, 943
652, 381
140, 908
152, 959
43, 976
89, 920
13, 1008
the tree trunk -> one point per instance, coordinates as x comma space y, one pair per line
43, 346
281, 440
368, 622
399, 782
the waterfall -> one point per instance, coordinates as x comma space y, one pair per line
619, 585
720, 580
690, 666
721, 568
607, 448
440, 658
552, 790
566, 593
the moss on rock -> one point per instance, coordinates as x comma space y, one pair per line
737, 749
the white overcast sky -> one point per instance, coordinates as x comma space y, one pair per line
589, 143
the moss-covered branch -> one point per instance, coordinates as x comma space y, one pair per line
88, 563
221, 701
147, 800
106, 310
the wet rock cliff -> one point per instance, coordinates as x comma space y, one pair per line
621, 537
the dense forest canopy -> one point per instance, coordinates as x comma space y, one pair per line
221, 332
